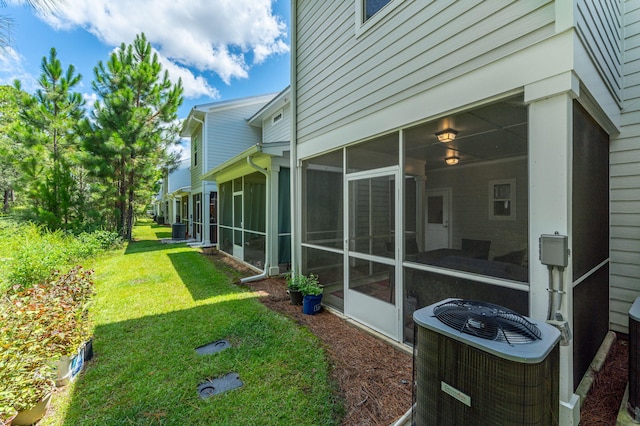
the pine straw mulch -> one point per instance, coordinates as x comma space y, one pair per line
602, 403
375, 378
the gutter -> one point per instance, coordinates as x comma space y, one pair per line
267, 246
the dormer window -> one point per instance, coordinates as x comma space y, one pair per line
275, 118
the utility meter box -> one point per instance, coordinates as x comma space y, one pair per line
554, 250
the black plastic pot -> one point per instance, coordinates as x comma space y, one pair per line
295, 296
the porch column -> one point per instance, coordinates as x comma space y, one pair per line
207, 188
172, 210
272, 216
192, 230
550, 168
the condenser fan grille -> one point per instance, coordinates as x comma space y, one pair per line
487, 321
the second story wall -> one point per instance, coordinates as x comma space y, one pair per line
228, 132
599, 25
196, 160
343, 76
276, 129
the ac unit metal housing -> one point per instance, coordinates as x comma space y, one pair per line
463, 379
633, 402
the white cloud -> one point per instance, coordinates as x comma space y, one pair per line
193, 86
183, 149
208, 35
89, 100
12, 68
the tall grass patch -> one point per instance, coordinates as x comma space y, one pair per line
29, 252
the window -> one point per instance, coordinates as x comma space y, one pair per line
194, 150
371, 7
277, 117
502, 199
368, 12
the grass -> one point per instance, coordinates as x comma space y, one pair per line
155, 304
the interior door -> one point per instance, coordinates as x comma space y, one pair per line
437, 229
371, 295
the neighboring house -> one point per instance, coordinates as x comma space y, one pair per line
436, 142
218, 132
253, 193
176, 198
171, 203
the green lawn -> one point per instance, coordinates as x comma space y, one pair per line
155, 304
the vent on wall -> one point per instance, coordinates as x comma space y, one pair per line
633, 403
483, 364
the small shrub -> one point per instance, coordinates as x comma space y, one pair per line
310, 285
294, 281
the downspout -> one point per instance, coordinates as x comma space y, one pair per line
295, 196
267, 250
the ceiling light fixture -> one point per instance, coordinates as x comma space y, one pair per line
446, 135
452, 160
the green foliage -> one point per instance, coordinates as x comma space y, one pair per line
133, 125
294, 281
307, 285
48, 131
29, 253
10, 152
38, 325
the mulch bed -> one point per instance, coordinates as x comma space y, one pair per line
375, 378
602, 403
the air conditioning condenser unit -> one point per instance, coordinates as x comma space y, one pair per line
483, 364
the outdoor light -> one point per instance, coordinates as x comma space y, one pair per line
446, 135
452, 160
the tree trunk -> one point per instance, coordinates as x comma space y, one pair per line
130, 204
5, 203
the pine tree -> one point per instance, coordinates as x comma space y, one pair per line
48, 130
9, 151
133, 124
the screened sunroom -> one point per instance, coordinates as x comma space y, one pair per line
443, 209
428, 212
254, 213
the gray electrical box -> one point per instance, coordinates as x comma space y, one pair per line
554, 250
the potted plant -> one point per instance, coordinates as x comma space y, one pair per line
27, 387
7, 413
293, 287
311, 294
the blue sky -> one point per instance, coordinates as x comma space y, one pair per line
222, 49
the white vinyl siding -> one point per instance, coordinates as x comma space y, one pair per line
279, 131
341, 78
228, 133
625, 182
598, 23
196, 171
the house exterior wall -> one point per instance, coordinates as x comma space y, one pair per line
196, 170
422, 62
228, 133
279, 131
625, 182
598, 25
